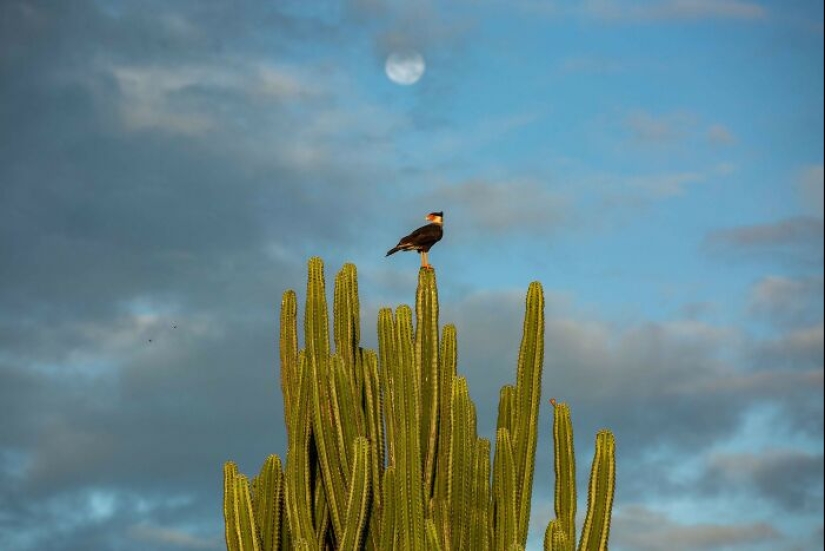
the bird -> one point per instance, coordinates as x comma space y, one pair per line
423, 238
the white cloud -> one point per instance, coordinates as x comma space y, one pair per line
171, 98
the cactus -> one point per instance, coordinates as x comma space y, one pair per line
383, 450
561, 531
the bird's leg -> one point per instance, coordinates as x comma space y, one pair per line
424, 262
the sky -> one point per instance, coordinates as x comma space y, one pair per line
168, 168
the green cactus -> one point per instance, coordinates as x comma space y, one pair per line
561, 531
565, 467
383, 450
239, 514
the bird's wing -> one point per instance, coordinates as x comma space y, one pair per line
425, 234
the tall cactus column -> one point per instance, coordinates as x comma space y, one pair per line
383, 449
517, 428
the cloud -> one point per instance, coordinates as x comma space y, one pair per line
810, 184
780, 233
790, 478
719, 134
175, 98
165, 169
665, 389
493, 208
787, 302
800, 348
148, 183
637, 527
797, 241
422, 27
665, 185
647, 128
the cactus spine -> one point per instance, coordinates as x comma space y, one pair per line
383, 449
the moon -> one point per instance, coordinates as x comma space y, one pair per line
405, 67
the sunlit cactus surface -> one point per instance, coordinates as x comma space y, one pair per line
383, 450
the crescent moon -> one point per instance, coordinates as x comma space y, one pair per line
405, 67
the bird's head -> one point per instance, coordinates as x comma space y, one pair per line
435, 217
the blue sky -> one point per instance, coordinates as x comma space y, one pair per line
168, 168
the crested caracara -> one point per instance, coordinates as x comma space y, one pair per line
423, 238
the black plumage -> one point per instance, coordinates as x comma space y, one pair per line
422, 239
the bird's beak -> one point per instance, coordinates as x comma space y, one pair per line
429, 217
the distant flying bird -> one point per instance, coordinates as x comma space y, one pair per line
423, 238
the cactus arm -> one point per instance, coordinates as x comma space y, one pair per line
357, 504
506, 408
426, 356
245, 516
347, 318
447, 372
462, 458
375, 423
439, 513
268, 496
346, 419
316, 316
596, 527
504, 492
555, 537
389, 511
326, 441
480, 525
433, 544
375, 435
548, 534
411, 529
288, 349
528, 396
298, 483
387, 358
232, 535
320, 513
565, 468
